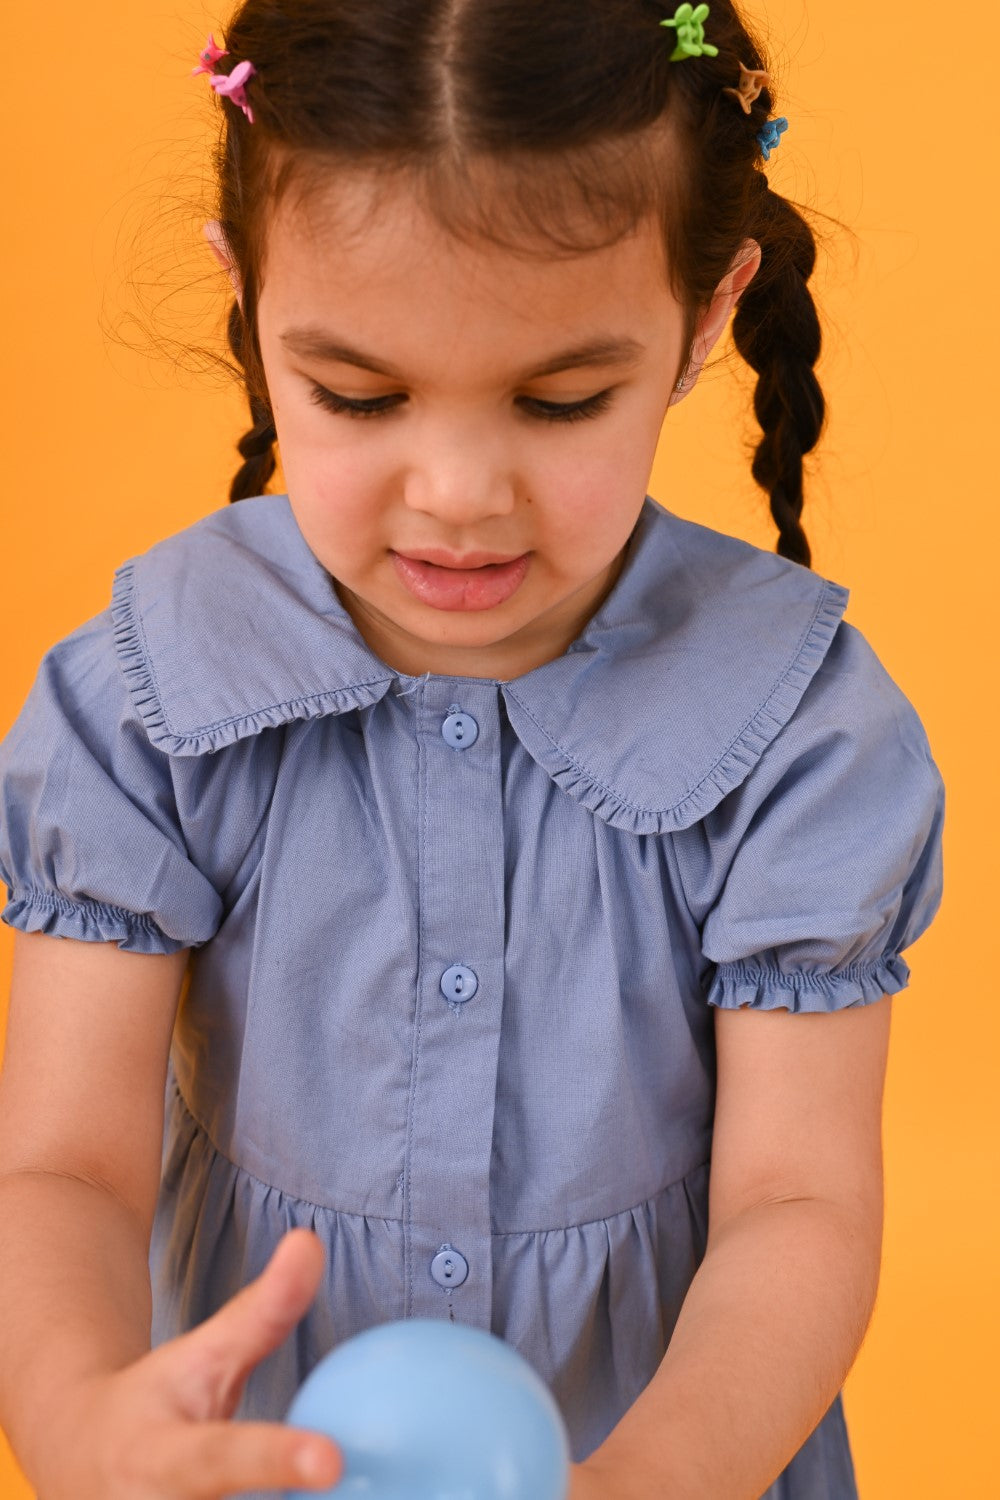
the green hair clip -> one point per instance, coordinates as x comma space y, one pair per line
690, 23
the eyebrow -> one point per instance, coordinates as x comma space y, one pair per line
315, 343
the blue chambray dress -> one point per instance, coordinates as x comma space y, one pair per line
456, 941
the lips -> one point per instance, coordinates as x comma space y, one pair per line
449, 560
447, 588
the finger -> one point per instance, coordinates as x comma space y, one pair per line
219, 1354
212, 1459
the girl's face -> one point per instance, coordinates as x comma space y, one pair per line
466, 451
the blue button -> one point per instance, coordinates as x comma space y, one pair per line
460, 730
458, 984
448, 1267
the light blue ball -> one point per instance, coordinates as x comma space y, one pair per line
428, 1410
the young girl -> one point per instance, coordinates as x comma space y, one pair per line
462, 861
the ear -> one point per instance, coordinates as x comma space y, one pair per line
744, 267
220, 249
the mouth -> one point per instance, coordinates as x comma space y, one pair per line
470, 563
443, 586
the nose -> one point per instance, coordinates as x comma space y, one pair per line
461, 480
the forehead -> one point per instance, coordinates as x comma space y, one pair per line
367, 259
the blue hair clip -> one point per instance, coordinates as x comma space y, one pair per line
770, 136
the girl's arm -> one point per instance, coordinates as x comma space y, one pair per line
74, 1301
91, 1412
777, 1311
81, 1131
771, 1324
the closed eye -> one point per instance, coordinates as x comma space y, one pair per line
548, 411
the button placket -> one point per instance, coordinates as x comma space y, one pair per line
461, 934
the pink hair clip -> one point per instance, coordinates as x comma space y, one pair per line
231, 85
208, 57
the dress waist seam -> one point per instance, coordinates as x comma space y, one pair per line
497, 1234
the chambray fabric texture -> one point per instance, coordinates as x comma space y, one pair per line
456, 942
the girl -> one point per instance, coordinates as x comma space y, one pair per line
459, 887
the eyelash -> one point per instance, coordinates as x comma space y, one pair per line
548, 411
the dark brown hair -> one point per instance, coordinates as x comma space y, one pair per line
564, 113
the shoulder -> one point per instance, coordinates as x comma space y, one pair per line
854, 700
854, 753
78, 682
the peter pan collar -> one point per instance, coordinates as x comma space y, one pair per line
663, 704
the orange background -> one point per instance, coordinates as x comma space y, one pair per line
108, 450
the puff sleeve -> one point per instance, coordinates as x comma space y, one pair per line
826, 863
91, 842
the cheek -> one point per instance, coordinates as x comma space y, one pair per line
592, 493
330, 474
342, 508
332, 498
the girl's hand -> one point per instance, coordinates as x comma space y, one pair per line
159, 1429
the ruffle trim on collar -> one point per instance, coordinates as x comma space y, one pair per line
133, 657
730, 769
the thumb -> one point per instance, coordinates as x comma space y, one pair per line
226, 1347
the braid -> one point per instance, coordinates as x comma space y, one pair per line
777, 331
256, 447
